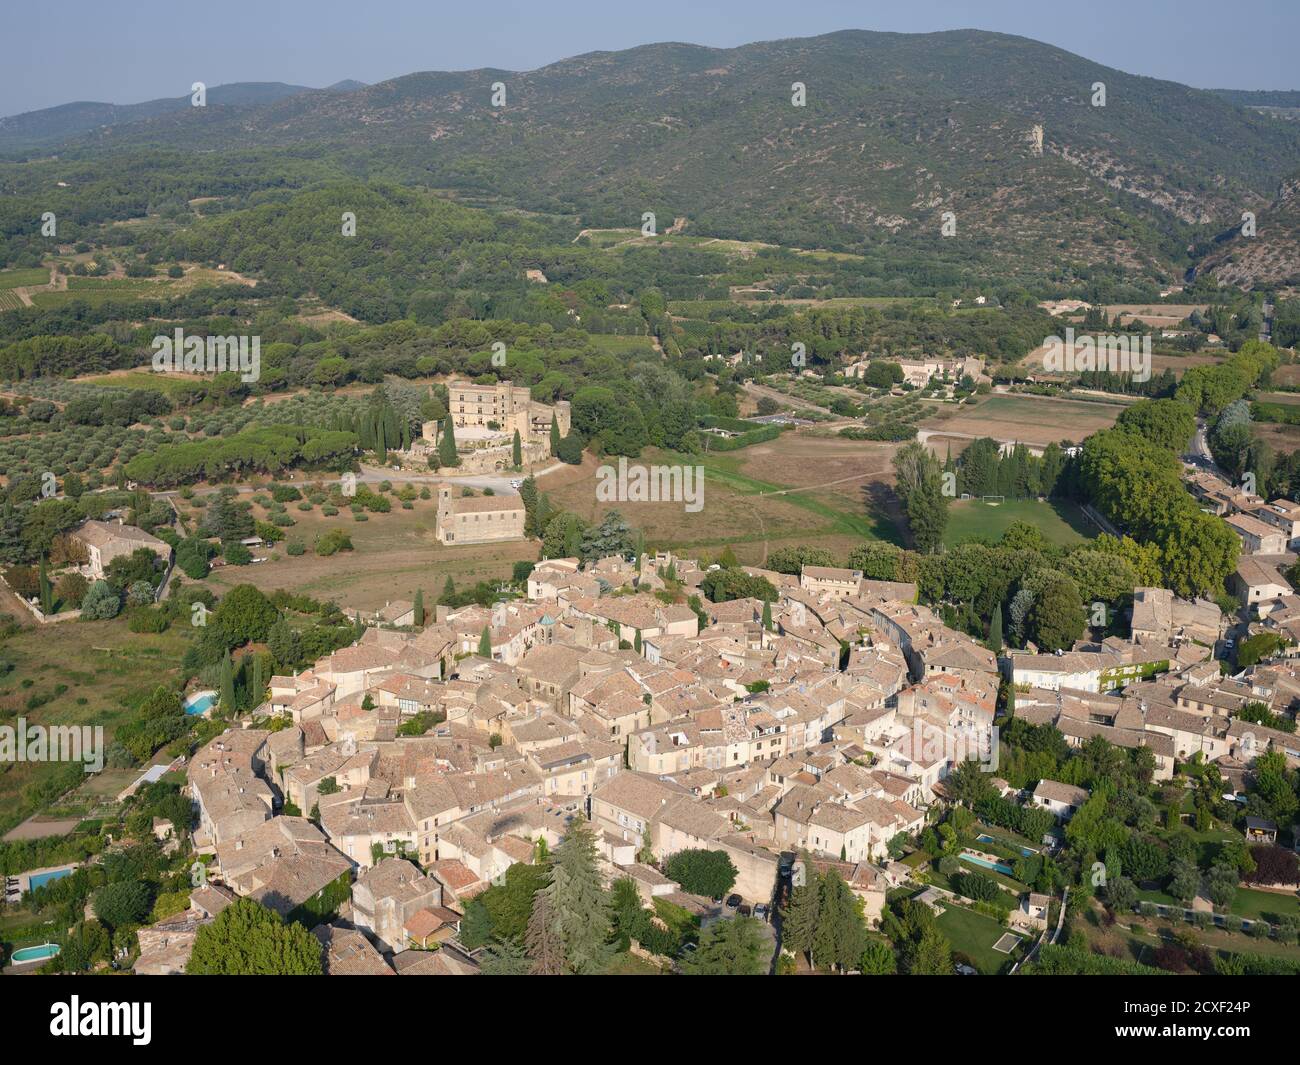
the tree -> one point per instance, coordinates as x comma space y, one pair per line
555, 435
931, 955
702, 872
485, 643
247, 939
802, 914
767, 616
576, 895
506, 958
448, 591
123, 903
841, 934
516, 451
1055, 619
613, 536
735, 947
246, 614
447, 444
995, 629
101, 602
419, 608
877, 959
227, 684
47, 591
543, 938
920, 485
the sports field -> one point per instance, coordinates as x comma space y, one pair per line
1060, 522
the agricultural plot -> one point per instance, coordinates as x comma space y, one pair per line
796, 490
393, 555
1036, 420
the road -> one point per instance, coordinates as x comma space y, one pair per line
374, 475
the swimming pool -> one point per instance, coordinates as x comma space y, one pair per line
200, 703
45, 950
1026, 851
997, 867
36, 880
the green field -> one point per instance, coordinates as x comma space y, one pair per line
1060, 522
973, 934
35, 275
154, 382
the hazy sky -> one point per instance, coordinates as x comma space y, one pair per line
127, 52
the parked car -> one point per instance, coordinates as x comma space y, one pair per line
762, 912
733, 903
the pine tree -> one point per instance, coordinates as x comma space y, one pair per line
516, 451
506, 958
577, 897
543, 940
485, 643
419, 608
995, 629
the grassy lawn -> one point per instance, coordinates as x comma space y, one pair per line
103, 668
1268, 905
1059, 521
973, 934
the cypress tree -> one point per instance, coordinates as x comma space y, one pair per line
419, 607
228, 684
767, 615
448, 591
447, 444
485, 643
517, 451
47, 593
995, 629
555, 435
802, 914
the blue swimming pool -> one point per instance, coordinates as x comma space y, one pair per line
46, 950
41, 879
998, 867
1026, 851
200, 703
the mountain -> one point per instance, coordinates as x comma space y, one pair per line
897, 129
1269, 258
53, 124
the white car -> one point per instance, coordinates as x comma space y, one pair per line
516, 484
